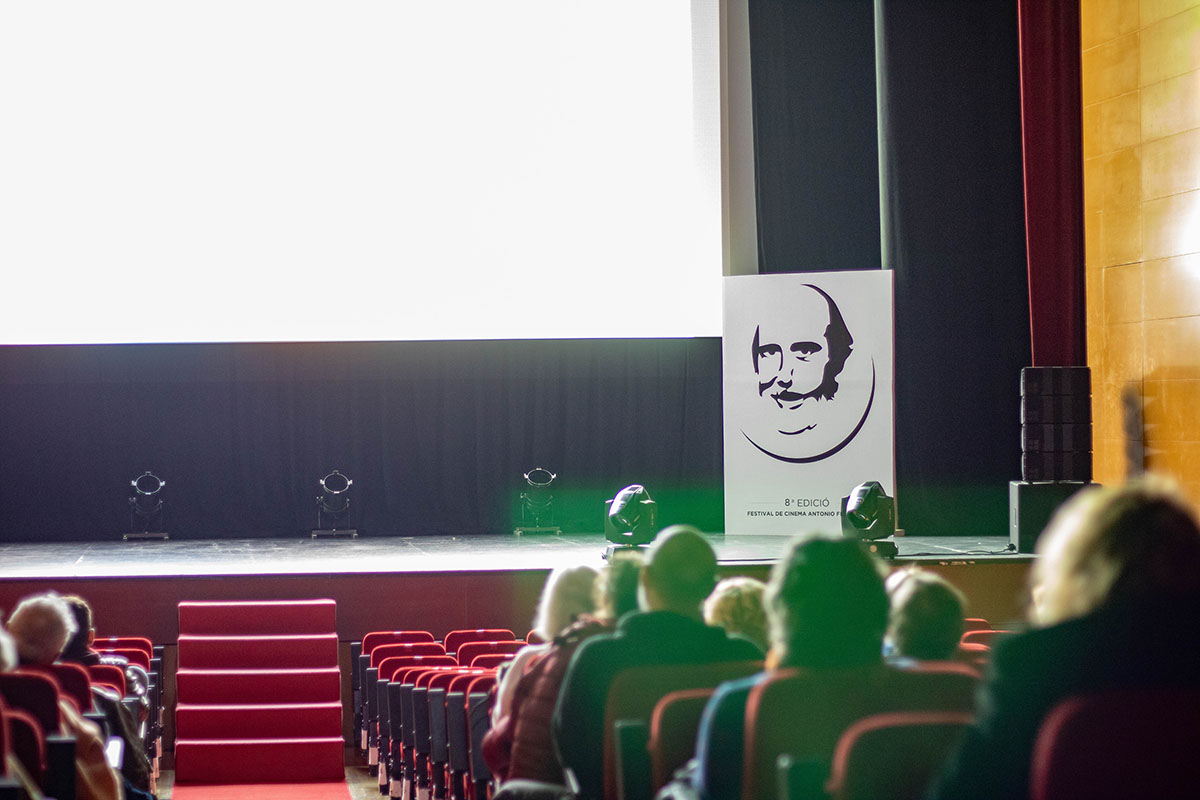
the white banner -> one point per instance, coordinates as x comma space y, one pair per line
809, 398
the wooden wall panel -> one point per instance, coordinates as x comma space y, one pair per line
1141, 144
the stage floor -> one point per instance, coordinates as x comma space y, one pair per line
401, 554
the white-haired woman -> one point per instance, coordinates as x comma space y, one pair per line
1118, 569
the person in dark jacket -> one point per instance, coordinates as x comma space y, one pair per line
1119, 568
679, 573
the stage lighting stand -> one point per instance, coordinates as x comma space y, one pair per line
333, 507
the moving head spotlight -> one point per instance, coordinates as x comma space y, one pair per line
869, 514
631, 517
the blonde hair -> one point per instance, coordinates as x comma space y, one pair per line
1107, 545
566, 595
41, 624
736, 604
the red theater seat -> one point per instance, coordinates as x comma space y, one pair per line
828, 702
107, 643
108, 675
491, 660
632, 696
379, 653
27, 742
373, 639
132, 655
893, 755
976, 624
988, 637
73, 682
1129, 743
456, 639
468, 650
673, 728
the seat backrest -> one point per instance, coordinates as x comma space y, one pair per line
28, 742
131, 654
35, 692
390, 666
828, 701
380, 652
491, 660
894, 754
375, 638
467, 651
673, 728
108, 674
73, 681
105, 643
976, 624
634, 692
455, 639
988, 637
1127, 743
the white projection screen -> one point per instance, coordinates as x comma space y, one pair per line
335, 170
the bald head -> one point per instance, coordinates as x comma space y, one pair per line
680, 571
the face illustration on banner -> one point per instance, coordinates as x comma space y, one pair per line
806, 415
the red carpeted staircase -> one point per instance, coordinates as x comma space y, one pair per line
258, 693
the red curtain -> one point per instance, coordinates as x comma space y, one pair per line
1051, 132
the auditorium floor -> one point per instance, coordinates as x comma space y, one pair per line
400, 554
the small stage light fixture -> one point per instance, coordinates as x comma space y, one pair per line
630, 519
869, 515
333, 506
537, 503
146, 508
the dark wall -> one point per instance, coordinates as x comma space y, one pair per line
434, 434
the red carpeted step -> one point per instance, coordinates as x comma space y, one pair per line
264, 617
257, 652
258, 760
226, 686
295, 720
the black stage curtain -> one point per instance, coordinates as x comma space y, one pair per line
954, 234
815, 138
435, 435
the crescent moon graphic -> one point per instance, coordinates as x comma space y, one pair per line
836, 448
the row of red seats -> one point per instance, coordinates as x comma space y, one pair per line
422, 708
30, 719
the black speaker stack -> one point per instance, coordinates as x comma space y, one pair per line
1056, 448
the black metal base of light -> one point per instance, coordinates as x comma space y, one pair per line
552, 530
161, 535
349, 533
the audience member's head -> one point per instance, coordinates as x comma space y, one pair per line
8, 651
617, 586
566, 595
680, 571
79, 645
826, 604
41, 624
1110, 545
926, 619
737, 606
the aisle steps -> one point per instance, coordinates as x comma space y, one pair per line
259, 693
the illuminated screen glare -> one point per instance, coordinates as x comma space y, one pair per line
324, 171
